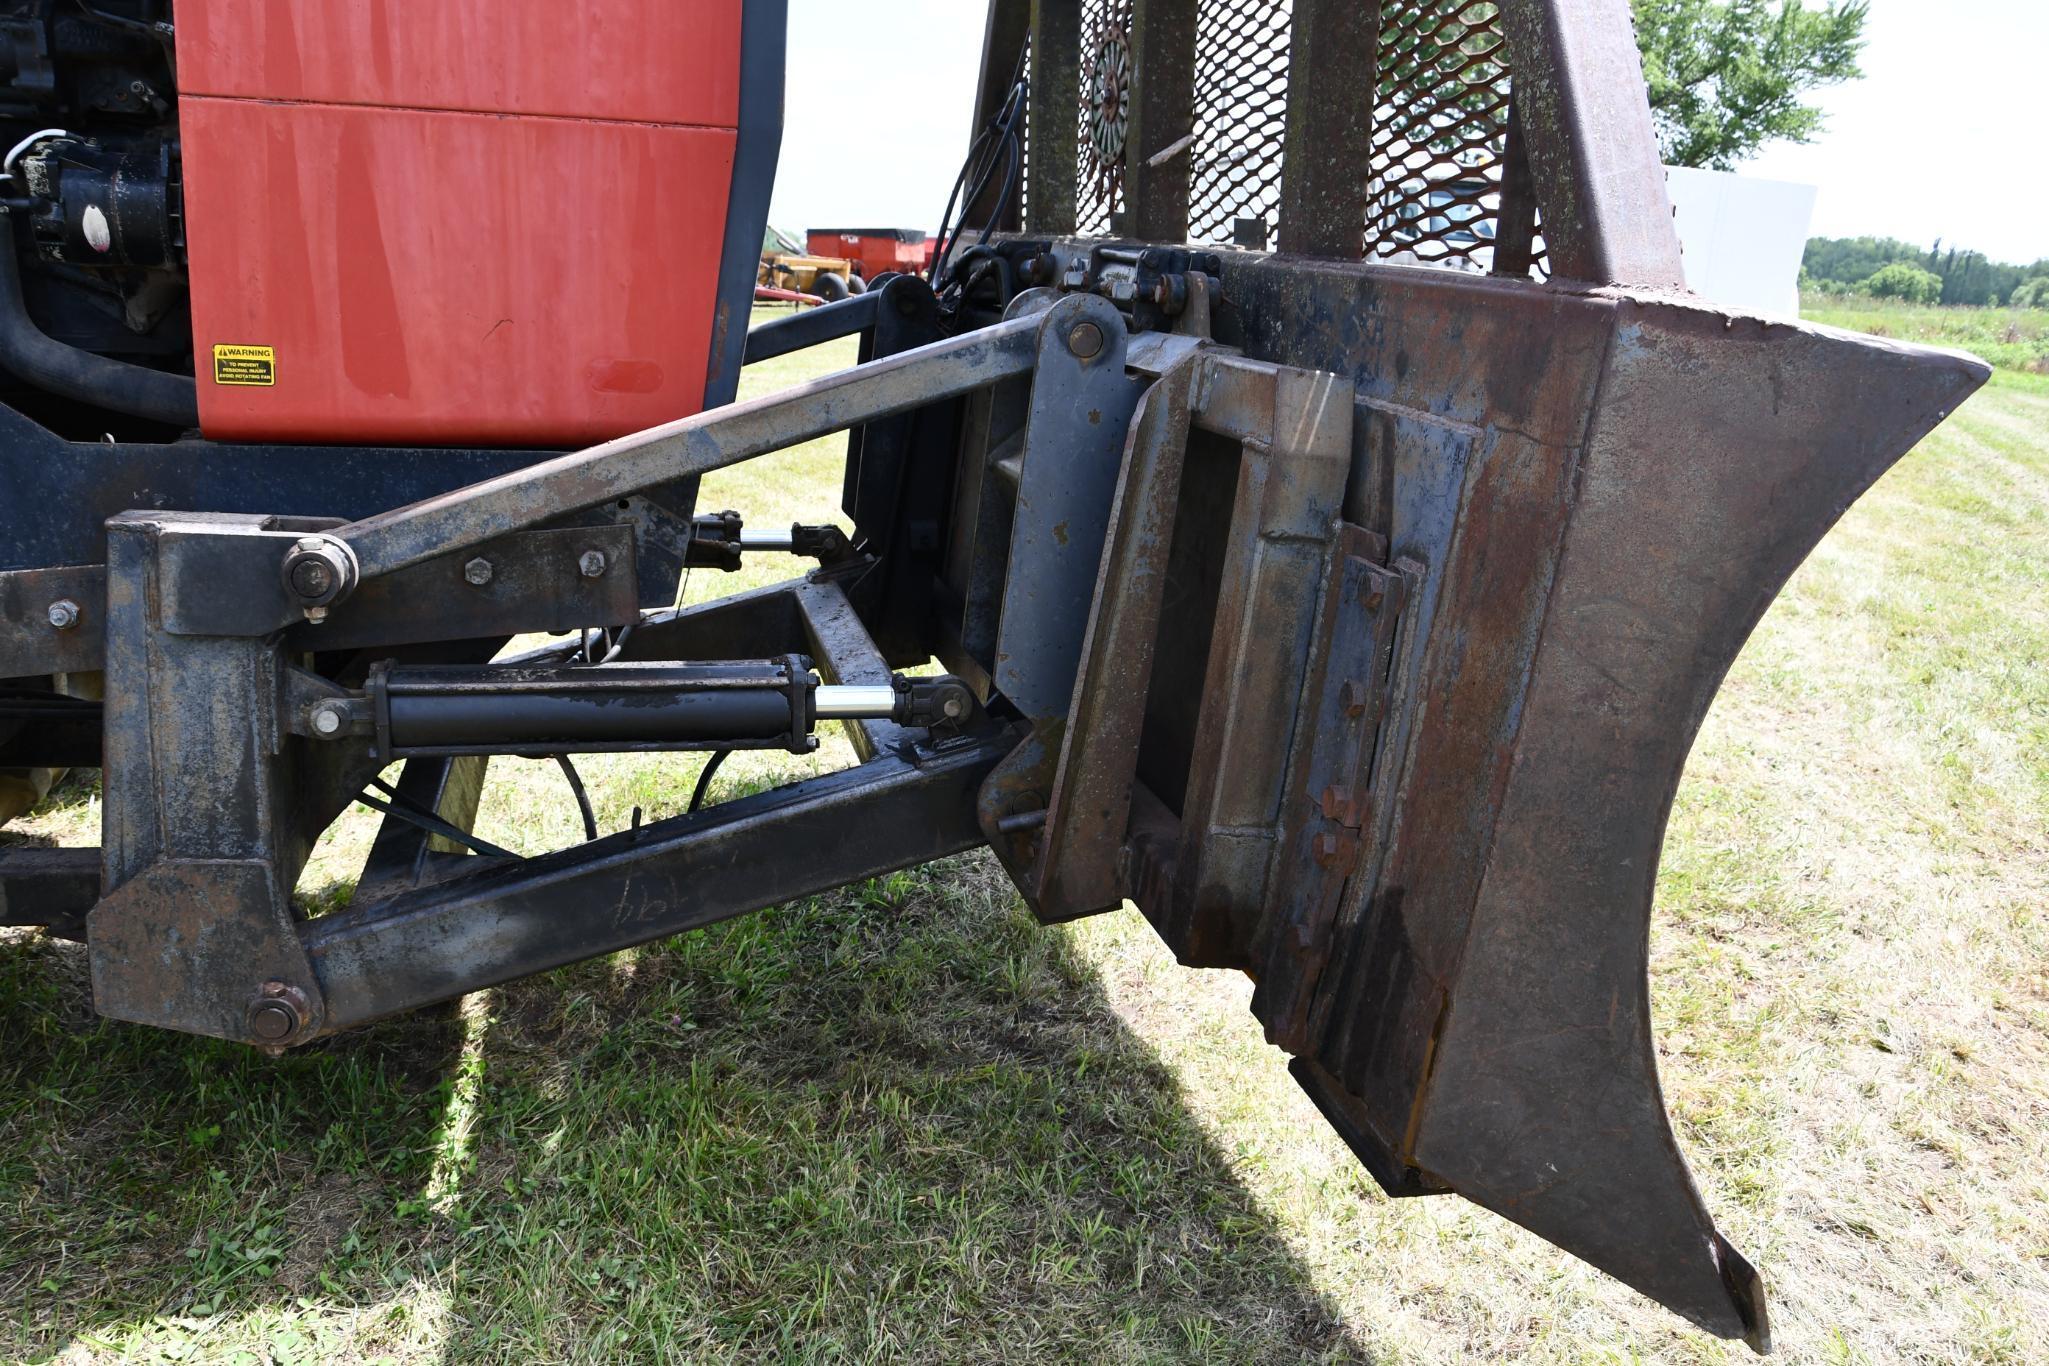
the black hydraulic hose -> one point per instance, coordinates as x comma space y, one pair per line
704, 775
583, 798
41, 360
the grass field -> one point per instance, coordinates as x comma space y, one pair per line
2011, 338
903, 1123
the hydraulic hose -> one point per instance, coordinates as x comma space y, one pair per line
39, 359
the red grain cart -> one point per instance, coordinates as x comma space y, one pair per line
873, 250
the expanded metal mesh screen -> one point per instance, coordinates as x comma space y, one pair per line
1241, 116
1433, 179
1440, 130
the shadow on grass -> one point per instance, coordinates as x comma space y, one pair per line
899, 1122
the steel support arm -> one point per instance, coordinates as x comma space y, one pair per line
693, 446
802, 330
640, 885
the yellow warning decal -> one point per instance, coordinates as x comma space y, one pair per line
248, 365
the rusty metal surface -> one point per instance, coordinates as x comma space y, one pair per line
1588, 570
1330, 116
1089, 807
1586, 119
1293, 429
1052, 174
1156, 175
1408, 616
1330, 806
205, 821
845, 653
664, 878
1006, 37
30, 641
1667, 565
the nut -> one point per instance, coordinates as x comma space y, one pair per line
1352, 698
478, 571
592, 564
1085, 341
64, 614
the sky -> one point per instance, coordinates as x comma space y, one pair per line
1944, 137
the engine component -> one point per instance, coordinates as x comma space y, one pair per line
98, 205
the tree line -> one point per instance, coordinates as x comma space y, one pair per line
1889, 268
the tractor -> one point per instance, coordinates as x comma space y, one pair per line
1348, 607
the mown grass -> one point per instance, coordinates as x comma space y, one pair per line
2010, 338
901, 1122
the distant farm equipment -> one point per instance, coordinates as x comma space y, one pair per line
789, 267
874, 251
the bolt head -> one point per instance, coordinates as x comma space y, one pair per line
592, 564
273, 1021
1086, 341
312, 578
478, 571
64, 614
329, 719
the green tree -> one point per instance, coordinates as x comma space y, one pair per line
2032, 294
1902, 281
1727, 76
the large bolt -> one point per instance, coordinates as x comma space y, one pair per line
1334, 851
592, 564
278, 1013
330, 719
312, 578
478, 571
1086, 341
319, 571
64, 614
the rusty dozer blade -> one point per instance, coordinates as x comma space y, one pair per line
1400, 641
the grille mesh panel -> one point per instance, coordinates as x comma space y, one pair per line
1241, 115
1440, 125
1433, 179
